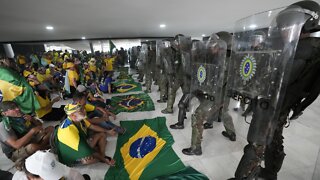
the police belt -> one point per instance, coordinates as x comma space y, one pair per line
205, 96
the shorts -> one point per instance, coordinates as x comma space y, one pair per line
21, 153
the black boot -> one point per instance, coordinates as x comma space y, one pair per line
207, 125
177, 126
267, 175
190, 151
231, 136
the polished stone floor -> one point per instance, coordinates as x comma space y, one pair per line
221, 156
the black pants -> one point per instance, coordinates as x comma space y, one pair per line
55, 115
6, 175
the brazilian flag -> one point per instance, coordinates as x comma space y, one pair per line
124, 74
112, 46
145, 152
14, 87
124, 86
132, 103
123, 70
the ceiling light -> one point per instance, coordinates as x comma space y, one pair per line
162, 25
49, 27
252, 26
203, 35
83, 37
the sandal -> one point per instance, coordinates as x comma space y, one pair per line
111, 162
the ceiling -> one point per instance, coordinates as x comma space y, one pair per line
72, 19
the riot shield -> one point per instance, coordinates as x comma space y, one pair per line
159, 47
144, 54
185, 44
208, 66
167, 58
262, 54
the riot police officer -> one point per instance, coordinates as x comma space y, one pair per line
149, 66
281, 77
163, 62
223, 114
175, 76
185, 44
208, 67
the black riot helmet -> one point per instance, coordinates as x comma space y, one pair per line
175, 43
226, 37
311, 10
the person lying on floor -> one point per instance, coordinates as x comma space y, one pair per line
21, 135
97, 115
80, 142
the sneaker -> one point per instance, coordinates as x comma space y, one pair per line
161, 101
177, 126
190, 151
231, 136
166, 111
207, 126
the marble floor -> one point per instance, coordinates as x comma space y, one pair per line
221, 156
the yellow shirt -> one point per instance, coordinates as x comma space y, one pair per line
64, 65
92, 68
109, 64
89, 107
41, 77
72, 75
26, 73
48, 72
32, 83
43, 104
60, 60
22, 60
87, 75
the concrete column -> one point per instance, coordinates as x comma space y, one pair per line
91, 47
9, 51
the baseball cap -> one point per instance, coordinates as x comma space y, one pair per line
72, 108
45, 165
81, 88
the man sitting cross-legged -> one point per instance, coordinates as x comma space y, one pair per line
97, 115
21, 135
80, 142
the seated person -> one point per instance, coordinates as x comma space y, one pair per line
94, 100
21, 135
46, 111
45, 166
93, 68
73, 78
75, 145
106, 86
87, 73
97, 115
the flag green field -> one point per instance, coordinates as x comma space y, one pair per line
145, 152
14, 87
131, 103
124, 86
